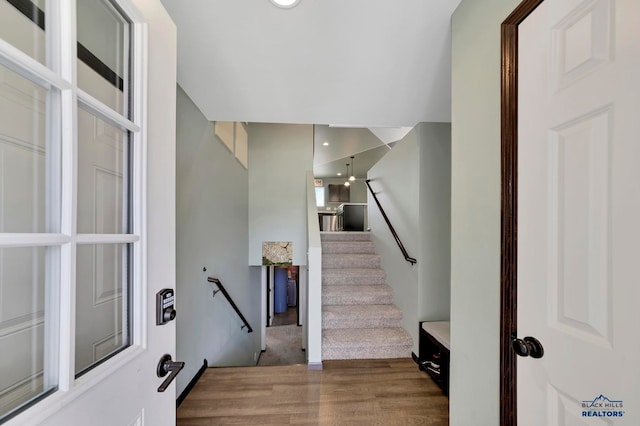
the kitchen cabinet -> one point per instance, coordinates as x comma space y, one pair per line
351, 216
339, 193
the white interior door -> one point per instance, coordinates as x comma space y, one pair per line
578, 212
66, 170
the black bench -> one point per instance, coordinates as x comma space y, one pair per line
434, 348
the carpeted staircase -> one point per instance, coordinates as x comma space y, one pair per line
359, 319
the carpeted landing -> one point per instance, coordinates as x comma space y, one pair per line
284, 344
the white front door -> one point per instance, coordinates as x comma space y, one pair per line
579, 212
87, 211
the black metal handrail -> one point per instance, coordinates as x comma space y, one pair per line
230, 300
391, 228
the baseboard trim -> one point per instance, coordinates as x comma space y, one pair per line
260, 356
314, 365
191, 384
415, 358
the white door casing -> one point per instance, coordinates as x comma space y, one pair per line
578, 210
122, 390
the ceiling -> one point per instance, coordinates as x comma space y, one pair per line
331, 159
375, 63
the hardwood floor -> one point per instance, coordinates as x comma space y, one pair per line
367, 392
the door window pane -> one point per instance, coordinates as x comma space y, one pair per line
103, 176
24, 326
104, 53
102, 300
24, 157
22, 25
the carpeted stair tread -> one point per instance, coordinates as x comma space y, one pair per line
334, 261
366, 343
361, 316
353, 247
345, 236
354, 276
359, 320
357, 294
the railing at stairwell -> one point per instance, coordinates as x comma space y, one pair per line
223, 290
408, 258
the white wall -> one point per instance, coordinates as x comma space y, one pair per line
279, 157
475, 212
413, 184
212, 216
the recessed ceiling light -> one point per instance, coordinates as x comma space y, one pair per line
325, 144
286, 4
339, 174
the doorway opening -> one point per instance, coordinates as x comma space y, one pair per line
283, 296
283, 334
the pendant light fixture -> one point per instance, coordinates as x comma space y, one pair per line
353, 172
347, 183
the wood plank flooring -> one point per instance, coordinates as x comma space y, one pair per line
354, 392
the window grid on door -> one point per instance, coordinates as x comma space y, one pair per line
57, 244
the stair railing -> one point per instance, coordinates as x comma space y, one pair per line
223, 290
408, 258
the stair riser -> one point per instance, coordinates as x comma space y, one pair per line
345, 236
366, 343
364, 261
357, 299
354, 322
353, 280
335, 247
367, 352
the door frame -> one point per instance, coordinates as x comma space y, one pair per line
509, 208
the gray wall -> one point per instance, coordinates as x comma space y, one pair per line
412, 182
434, 259
395, 179
279, 157
475, 211
212, 215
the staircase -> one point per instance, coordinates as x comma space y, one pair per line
359, 319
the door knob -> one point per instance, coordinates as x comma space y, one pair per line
529, 346
166, 366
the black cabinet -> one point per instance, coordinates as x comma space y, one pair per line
434, 352
350, 217
339, 194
